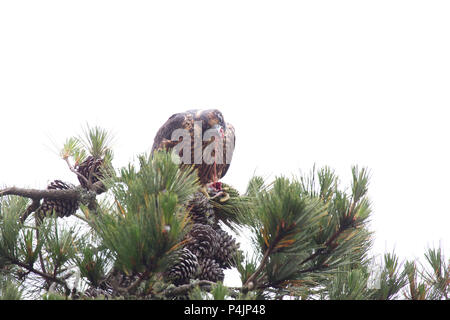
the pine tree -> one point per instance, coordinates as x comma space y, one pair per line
146, 231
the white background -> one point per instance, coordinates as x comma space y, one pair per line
332, 83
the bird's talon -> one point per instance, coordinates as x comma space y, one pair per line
225, 197
204, 190
217, 195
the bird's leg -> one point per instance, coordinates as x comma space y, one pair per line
204, 190
216, 188
224, 196
220, 193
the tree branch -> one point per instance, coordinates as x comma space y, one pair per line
31, 208
79, 193
36, 194
249, 283
183, 289
132, 287
326, 245
44, 275
71, 168
331, 239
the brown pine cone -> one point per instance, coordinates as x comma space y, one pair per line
62, 208
226, 250
210, 270
202, 240
200, 210
184, 269
91, 169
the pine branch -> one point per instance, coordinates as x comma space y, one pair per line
184, 289
35, 204
331, 240
132, 287
326, 245
46, 276
78, 194
37, 194
249, 284
71, 168
41, 258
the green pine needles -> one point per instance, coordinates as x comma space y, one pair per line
303, 231
148, 220
148, 231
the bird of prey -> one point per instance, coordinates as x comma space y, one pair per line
204, 139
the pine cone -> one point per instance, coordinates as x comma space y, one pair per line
91, 169
200, 210
210, 270
184, 269
202, 240
105, 287
93, 292
63, 208
227, 248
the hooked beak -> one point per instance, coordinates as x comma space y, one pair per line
219, 129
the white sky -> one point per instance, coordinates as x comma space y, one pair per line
334, 83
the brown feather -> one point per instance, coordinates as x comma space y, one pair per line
185, 120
